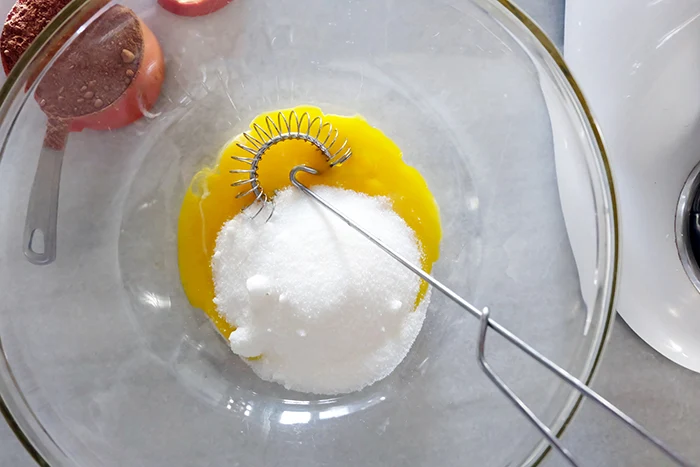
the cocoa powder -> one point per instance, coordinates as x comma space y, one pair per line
96, 68
26, 20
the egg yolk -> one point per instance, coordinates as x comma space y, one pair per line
376, 168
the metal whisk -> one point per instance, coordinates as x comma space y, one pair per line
293, 128
312, 130
486, 323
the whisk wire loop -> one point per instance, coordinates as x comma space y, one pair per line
323, 135
487, 323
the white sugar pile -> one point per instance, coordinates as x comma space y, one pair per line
329, 312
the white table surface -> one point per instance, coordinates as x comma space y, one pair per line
660, 394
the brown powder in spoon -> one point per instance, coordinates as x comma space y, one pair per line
96, 68
90, 75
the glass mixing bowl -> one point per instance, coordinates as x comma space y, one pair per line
104, 362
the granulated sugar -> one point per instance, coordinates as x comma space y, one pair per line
327, 310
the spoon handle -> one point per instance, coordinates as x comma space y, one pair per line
42, 211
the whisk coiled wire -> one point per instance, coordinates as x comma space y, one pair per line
323, 135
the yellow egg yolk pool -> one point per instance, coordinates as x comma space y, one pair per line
375, 168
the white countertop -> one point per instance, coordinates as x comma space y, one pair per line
646, 385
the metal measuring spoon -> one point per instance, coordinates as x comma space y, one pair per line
107, 78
